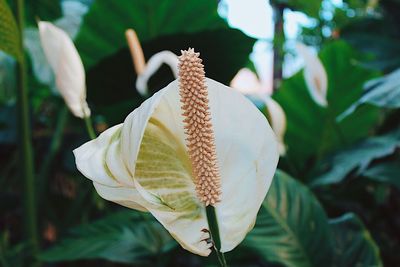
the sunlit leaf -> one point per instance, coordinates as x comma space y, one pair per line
9, 33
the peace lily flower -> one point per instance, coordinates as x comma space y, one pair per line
314, 74
146, 70
194, 143
247, 82
67, 66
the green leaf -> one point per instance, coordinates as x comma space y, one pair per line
47, 10
127, 237
102, 32
357, 157
292, 227
354, 246
383, 92
312, 131
216, 51
9, 33
387, 172
309, 7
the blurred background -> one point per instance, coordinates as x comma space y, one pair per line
339, 172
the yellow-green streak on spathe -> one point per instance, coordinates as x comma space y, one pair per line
114, 138
163, 169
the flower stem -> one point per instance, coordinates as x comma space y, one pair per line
89, 127
214, 231
55, 144
24, 140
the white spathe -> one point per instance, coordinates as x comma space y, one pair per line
143, 164
314, 74
247, 82
154, 63
67, 66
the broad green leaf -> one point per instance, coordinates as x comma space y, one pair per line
383, 92
127, 237
387, 172
357, 157
292, 227
220, 57
99, 38
312, 131
354, 246
9, 33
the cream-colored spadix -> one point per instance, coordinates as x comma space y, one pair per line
67, 66
314, 74
144, 164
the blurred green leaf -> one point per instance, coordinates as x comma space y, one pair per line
354, 246
126, 237
9, 33
102, 32
383, 92
111, 83
387, 172
292, 227
309, 7
384, 51
47, 10
312, 131
357, 157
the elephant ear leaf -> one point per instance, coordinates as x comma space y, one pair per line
9, 33
150, 19
292, 228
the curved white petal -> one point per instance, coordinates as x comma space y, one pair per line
109, 176
154, 63
278, 122
153, 151
246, 82
124, 196
314, 75
67, 66
247, 154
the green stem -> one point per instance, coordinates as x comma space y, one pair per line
24, 140
55, 145
214, 231
89, 127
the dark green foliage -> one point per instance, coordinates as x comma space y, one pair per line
312, 130
99, 38
357, 157
354, 246
292, 227
129, 237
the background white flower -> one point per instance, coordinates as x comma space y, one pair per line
314, 74
67, 66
